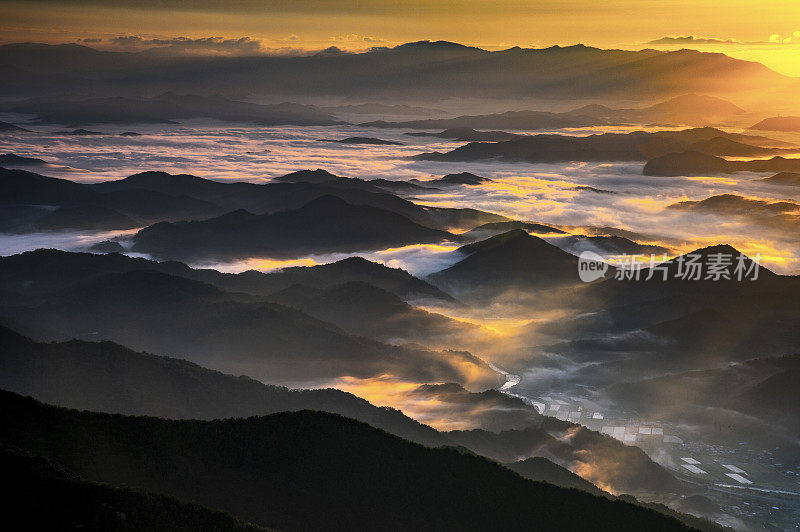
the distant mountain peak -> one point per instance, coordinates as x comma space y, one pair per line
308, 176
436, 45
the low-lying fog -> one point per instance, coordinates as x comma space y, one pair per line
619, 197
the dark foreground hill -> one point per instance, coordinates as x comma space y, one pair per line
43, 496
107, 377
308, 470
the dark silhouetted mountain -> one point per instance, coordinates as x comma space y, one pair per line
364, 140
400, 186
309, 176
159, 196
606, 245
600, 458
773, 400
110, 378
721, 146
521, 120
10, 159
77, 206
165, 183
512, 260
358, 269
38, 272
543, 470
413, 72
694, 163
682, 317
167, 108
463, 178
84, 217
489, 410
464, 218
595, 190
635, 146
164, 314
107, 246
327, 224
294, 190
367, 310
468, 134
383, 109
484, 231
5, 127
107, 377
784, 178
706, 387
44, 496
22, 187
688, 109
79, 133
780, 215
738, 205
232, 465
779, 123
761, 390
19, 187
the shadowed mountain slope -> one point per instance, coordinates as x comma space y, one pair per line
166, 108
164, 314
414, 71
71, 502
635, 146
107, 377
695, 163
327, 224
512, 260
233, 465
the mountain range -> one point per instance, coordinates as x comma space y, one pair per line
167, 108
688, 109
325, 225
411, 72
150, 197
109, 378
779, 123
163, 313
635, 146
695, 163
235, 464
514, 260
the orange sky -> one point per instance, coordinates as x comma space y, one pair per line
316, 24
